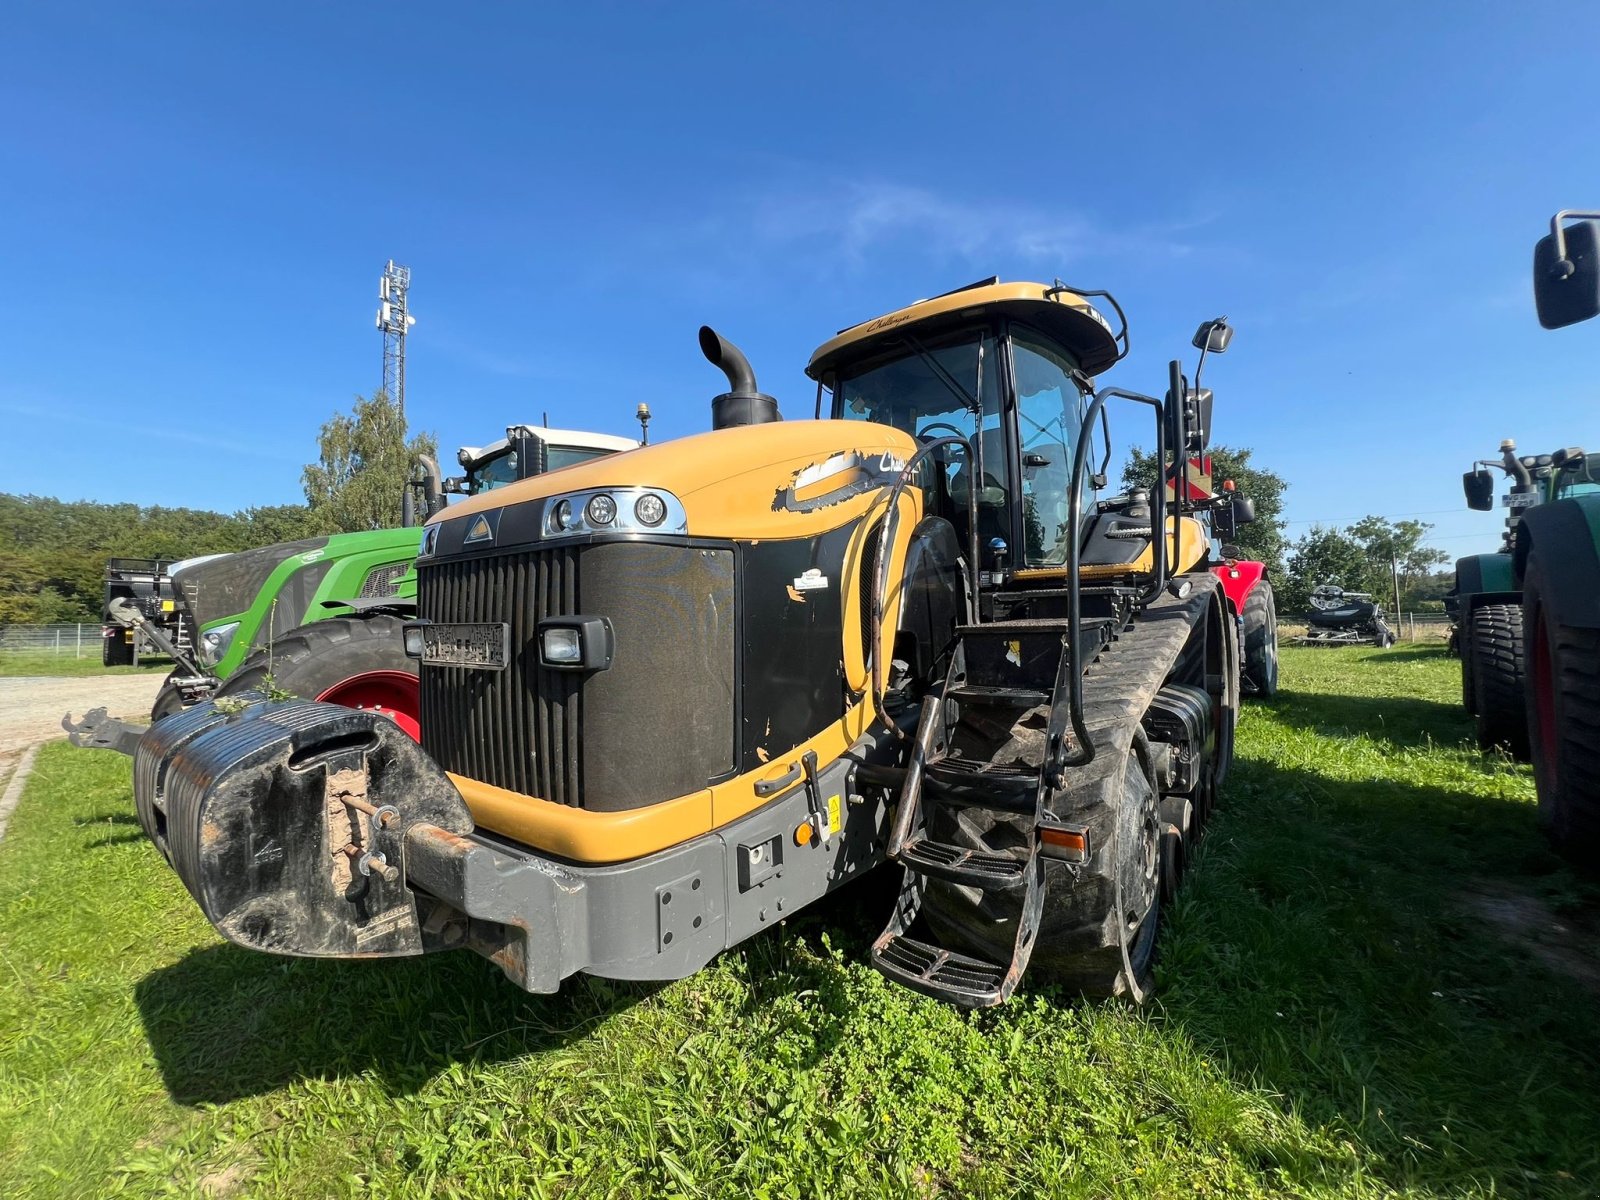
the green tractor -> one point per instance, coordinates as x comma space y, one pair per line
1556, 562
1487, 599
321, 617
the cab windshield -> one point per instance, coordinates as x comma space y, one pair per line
490, 473
930, 391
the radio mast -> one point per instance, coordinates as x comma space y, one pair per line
393, 321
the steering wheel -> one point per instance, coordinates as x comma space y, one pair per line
924, 434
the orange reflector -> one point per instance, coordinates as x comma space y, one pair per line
803, 833
1065, 838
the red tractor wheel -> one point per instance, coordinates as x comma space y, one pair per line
358, 661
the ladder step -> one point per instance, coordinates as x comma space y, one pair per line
956, 782
1015, 697
971, 868
942, 974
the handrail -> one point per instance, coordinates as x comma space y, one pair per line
880, 577
1084, 754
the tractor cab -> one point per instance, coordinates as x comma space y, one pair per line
996, 378
1004, 367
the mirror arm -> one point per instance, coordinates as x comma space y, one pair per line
1562, 268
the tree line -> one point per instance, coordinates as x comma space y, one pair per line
53, 552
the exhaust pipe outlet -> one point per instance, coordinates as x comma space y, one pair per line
741, 404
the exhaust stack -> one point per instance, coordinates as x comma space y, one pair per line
741, 404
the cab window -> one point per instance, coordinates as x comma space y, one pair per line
1049, 416
928, 392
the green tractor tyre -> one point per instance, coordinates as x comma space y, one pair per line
1492, 662
1563, 716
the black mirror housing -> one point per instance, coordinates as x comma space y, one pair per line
1197, 419
529, 447
1244, 510
1213, 336
1479, 488
1566, 296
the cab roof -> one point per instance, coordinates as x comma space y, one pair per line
1063, 315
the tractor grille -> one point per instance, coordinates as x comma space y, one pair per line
384, 581
516, 729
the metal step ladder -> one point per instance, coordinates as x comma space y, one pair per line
1005, 676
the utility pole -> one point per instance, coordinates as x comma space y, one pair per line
1394, 571
393, 321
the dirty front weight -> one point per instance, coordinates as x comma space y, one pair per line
289, 823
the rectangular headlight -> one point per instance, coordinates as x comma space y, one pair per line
576, 643
412, 637
561, 647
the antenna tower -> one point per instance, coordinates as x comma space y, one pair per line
393, 321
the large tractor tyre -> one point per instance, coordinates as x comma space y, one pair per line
116, 650
1497, 669
357, 661
1227, 718
1078, 944
1563, 682
1260, 619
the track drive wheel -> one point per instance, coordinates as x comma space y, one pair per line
1078, 944
357, 661
1260, 619
1563, 677
1497, 670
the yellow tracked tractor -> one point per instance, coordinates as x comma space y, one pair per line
673, 696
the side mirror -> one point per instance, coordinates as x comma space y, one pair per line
1197, 419
1479, 487
529, 447
1244, 510
1566, 287
1213, 336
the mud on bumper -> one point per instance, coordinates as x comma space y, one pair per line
314, 830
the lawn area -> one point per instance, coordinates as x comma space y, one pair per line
15, 663
1360, 994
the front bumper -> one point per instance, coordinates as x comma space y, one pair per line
314, 830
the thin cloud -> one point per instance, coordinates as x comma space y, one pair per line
852, 221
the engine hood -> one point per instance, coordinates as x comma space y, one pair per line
784, 479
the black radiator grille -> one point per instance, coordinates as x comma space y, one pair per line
516, 729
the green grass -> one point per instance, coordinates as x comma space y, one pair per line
27, 662
1333, 1019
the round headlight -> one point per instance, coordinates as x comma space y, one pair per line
650, 509
563, 515
602, 510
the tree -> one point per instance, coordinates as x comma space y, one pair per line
1264, 539
1397, 546
364, 460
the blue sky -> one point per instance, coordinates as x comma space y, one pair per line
196, 201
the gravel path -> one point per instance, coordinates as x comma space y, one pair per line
31, 708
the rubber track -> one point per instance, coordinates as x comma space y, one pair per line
1497, 669
1078, 940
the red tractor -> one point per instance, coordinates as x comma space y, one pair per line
1244, 581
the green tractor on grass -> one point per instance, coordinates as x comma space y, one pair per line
321, 617
1556, 563
1487, 599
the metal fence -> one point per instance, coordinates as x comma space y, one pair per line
74, 641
